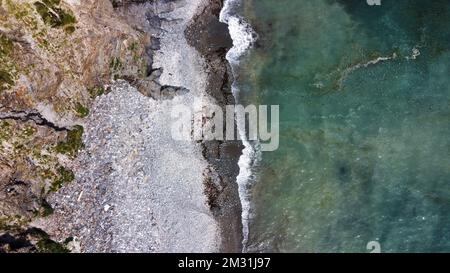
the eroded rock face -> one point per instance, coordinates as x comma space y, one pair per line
56, 56
56, 63
59, 96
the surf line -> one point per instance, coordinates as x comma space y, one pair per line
243, 37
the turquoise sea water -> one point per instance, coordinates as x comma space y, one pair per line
364, 147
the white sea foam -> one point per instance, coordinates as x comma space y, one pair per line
243, 38
241, 32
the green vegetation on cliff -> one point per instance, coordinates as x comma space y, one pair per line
73, 143
81, 111
64, 176
96, 91
55, 16
6, 67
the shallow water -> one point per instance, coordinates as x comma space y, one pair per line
364, 147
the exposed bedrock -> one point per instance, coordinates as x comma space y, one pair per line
84, 163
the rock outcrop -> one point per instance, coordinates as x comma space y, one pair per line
80, 176
56, 57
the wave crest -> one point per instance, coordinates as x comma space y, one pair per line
243, 37
241, 32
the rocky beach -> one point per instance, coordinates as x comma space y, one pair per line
112, 178
113, 115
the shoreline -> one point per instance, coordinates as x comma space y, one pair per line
223, 194
137, 189
243, 37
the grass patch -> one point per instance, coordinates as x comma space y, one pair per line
6, 46
95, 92
73, 143
29, 131
55, 16
115, 64
46, 208
6, 50
49, 246
12, 222
81, 110
64, 176
6, 80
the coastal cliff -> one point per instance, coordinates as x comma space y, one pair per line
56, 58
86, 159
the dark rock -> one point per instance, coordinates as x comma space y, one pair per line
211, 38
